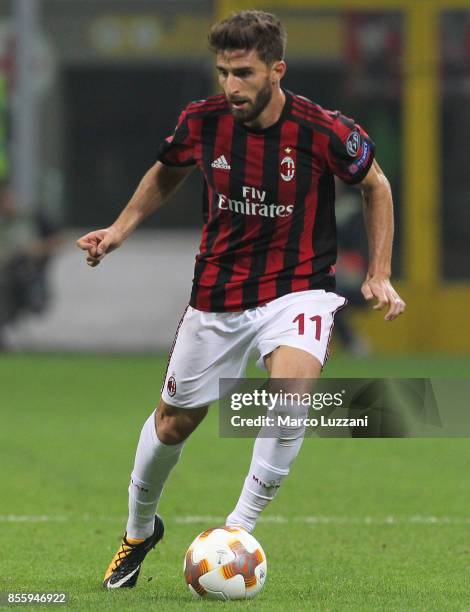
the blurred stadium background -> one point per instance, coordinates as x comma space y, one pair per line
88, 88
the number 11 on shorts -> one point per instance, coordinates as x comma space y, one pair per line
316, 320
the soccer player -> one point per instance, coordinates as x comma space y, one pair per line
264, 275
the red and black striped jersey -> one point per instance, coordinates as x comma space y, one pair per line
269, 219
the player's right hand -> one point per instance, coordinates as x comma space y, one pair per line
98, 244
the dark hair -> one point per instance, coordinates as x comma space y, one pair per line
249, 30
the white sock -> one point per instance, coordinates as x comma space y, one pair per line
153, 463
270, 464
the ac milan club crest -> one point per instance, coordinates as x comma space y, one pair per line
171, 386
287, 166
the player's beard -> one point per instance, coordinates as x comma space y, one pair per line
253, 109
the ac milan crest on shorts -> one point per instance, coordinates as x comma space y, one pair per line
214, 345
171, 386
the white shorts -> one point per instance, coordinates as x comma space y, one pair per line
213, 345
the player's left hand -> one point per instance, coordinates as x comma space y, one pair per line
381, 288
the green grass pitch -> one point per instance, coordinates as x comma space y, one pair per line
358, 525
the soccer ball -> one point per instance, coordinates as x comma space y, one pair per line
225, 563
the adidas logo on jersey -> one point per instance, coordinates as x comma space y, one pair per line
221, 163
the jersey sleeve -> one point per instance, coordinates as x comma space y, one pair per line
178, 149
350, 150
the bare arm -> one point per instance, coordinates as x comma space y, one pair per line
156, 185
378, 218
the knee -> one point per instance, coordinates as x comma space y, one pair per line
174, 425
168, 432
290, 411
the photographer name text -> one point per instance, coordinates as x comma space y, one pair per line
289, 421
